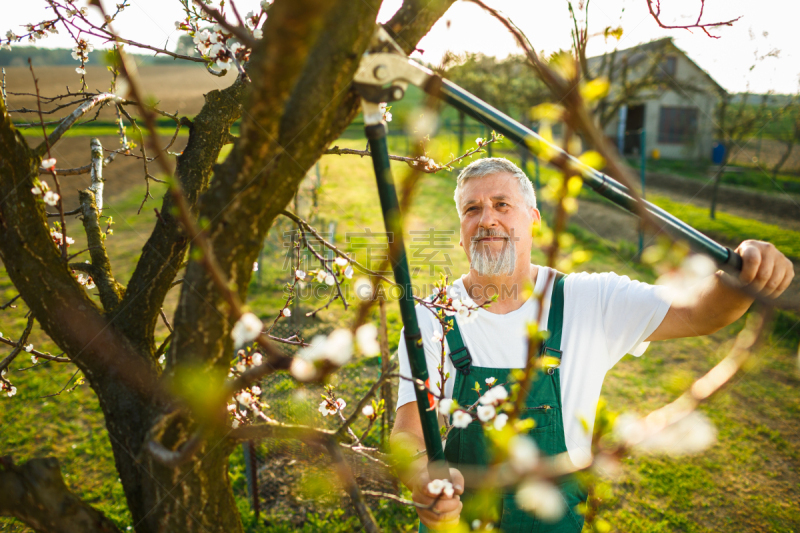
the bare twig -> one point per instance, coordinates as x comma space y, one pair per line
40, 151
654, 6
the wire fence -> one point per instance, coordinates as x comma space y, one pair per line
288, 478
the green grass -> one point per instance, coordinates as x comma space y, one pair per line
730, 227
748, 482
752, 178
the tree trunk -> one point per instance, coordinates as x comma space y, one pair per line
300, 100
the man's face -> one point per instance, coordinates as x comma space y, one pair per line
496, 223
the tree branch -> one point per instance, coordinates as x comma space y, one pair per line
110, 291
36, 494
73, 117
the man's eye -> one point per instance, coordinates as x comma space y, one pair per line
471, 209
502, 204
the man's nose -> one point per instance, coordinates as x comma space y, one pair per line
488, 218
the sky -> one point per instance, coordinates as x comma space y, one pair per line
758, 53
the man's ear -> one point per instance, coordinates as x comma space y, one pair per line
535, 215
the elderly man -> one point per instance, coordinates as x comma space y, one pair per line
593, 321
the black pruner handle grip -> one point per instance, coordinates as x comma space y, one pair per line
734, 261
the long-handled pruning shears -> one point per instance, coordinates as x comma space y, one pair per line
383, 76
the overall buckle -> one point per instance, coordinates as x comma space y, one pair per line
462, 363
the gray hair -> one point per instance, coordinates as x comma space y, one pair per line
495, 165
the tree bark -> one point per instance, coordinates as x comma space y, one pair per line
36, 494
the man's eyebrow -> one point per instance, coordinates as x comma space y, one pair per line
495, 198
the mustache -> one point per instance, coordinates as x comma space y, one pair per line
483, 233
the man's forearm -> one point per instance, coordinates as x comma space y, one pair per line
718, 303
408, 445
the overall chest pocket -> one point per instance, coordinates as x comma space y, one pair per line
547, 424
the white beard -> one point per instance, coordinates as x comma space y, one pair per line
485, 262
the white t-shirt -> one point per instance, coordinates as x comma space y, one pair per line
605, 317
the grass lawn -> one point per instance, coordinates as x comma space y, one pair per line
749, 481
754, 178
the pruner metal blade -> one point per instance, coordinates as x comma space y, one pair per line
385, 71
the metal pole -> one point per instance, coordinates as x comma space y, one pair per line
602, 184
376, 134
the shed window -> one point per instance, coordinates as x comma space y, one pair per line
668, 66
677, 124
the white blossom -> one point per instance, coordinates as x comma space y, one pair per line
494, 396
12, 391
486, 412
437, 336
223, 63
368, 411
445, 406
299, 274
441, 486
387, 116
490, 381
367, 340
255, 266
246, 329
245, 398
48, 164
522, 453
241, 367
29, 348
691, 434
329, 279
90, 284
321, 275
500, 421
363, 288
461, 419
50, 198
339, 346
257, 358
34, 359
286, 312
265, 4
479, 141
302, 370
341, 261
336, 347
348, 272
256, 390
235, 424
258, 34
541, 498
162, 359
235, 47
201, 36
331, 408
80, 70
36, 190
231, 407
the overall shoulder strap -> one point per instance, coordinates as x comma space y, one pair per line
459, 354
555, 318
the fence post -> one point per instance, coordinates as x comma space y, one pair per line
251, 473
642, 174
461, 119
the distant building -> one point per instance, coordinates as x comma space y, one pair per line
656, 86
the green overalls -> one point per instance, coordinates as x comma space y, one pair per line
468, 446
